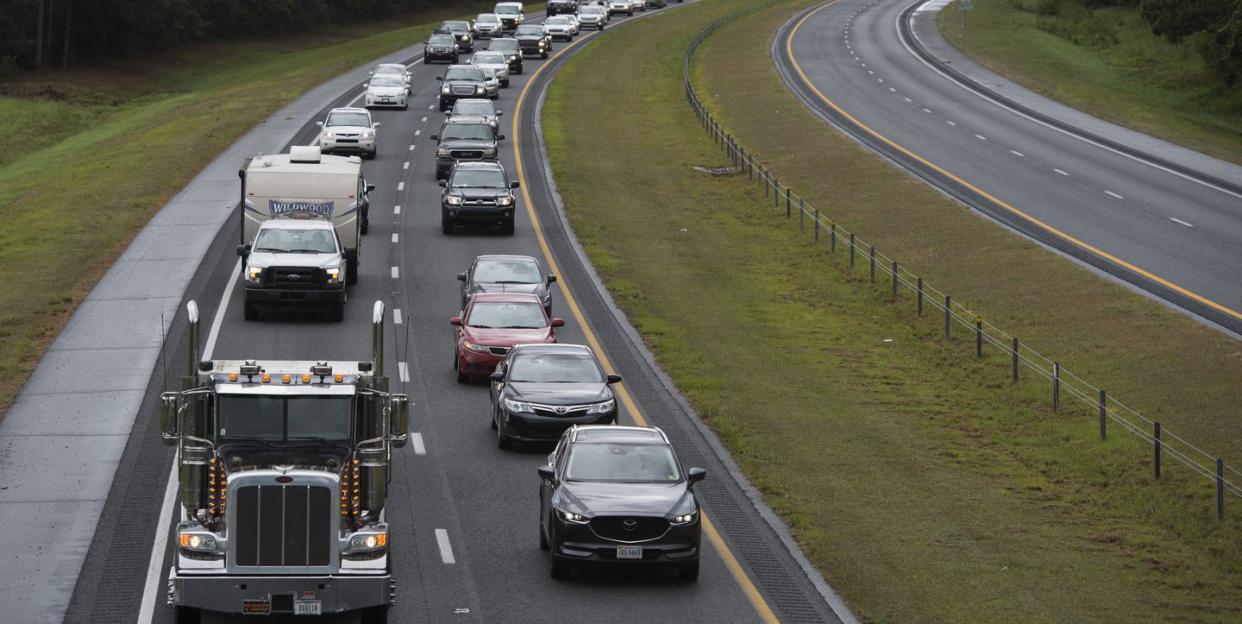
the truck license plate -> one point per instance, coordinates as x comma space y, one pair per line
307, 607
629, 552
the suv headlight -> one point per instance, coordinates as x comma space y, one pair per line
478, 89
504, 201
443, 152
685, 519
328, 134
602, 408
453, 200
368, 134
518, 406
253, 274
571, 517
477, 348
446, 89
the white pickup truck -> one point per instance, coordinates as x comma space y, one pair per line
295, 262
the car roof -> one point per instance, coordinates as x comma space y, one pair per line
543, 347
505, 298
500, 257
391, 66
618, 433
477, 166
467, 120
349, 109
297, 224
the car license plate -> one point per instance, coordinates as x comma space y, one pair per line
629, 552
256, 607
308, 607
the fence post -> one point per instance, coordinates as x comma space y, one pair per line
920, 297
1056, 386
776, 193
788, 202
1015, 359
801, 213
851, 250
872, 255
763, 172
833, 240
817, 225
1156, 449
978, 337
1103, 414
948, 313
894, 279
750, 166
1220, 489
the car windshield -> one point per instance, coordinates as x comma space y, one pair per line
473, 107
507, 272
278, 418
463, 73
387, 80
591, 10
455, 26
489, 57
555, 368
466, 132
497, 315
441, 40
530, 30
558, 20
506, 10
487, 17
622, 463
282, 240
348, 119
504, 44
478, 178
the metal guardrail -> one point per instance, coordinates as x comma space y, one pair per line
1064, 383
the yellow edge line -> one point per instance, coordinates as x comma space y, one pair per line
735, 568
1030, 219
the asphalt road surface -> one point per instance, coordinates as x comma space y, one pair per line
1172, 229
462, 513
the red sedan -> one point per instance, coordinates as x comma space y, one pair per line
491, 324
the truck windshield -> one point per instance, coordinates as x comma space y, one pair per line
284, 419
282, 240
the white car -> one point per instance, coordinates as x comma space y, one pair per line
349, 130
592, 17
620, 6
491, 82
487, 25
561, 27
495, 61
639, 5
387, 90
510, 13
395, 69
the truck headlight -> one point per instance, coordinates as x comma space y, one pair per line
518, 406
443, 152
571, 517
334, 275
199, 542
368, 541
453, 200
253, 274
490, 152
504, 201
602, 408
477, 348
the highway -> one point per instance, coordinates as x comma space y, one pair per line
1159, 217
462, 513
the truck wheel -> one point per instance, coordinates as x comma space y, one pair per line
336, 313
351, 272
251, 313
507, 226
543, 55
375, 615
188, 615
365, 225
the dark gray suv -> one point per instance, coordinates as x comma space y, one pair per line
477, 192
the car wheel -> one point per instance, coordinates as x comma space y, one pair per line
492, 420
543, 540
364, 226
461, 377
446, 225
689, 571
503, 441
250, 312
336, 313
188, 615
507, 226
543, 55
560, 569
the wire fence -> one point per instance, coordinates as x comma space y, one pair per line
1064, 384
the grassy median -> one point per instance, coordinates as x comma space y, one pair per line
1107, 62
93, 152
923, 485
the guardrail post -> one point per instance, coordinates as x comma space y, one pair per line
852, 247
894, 279
1056, 386
1155, 444
1015, 359
978, 337
872, 254
817, 225
1103, 414
920, 297
1220, 489
948, 315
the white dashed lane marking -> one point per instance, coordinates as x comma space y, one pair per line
405, 165
417, 132
1113, 195
446, 549
1017, 153
396, 316
419, 447
404, 371
401, 186
396, 273
394, 237
1180, 222
951, 123
981, 137
396, 210
1059, 172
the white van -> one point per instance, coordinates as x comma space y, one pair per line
305, 184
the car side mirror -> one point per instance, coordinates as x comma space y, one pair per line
461, 277
243, 251
443, 183
370, 187
370, 73
319, 123
694, 475
435, 137
497, 377
500, 137
612, 379
551, 278
557, 322
547, 473
515, 184
440, 78
455, 321
500, 113
376, 124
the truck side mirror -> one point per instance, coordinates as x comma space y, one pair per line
349, 253
319, 123
435, 137
243, 251
169, 404
500, 113
442, 183
398, 419
514, 184
376, 124
370, 187
500, 137
440, 78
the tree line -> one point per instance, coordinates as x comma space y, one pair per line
36, 33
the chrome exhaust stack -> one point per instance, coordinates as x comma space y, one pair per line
377, 338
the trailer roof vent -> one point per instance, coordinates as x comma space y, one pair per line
304, 154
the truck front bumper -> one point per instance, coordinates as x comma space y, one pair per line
294, 296
249, 594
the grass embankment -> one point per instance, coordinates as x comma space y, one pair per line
1108, 63
922, 484
93, 152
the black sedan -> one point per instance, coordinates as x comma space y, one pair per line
506, 273
440, 48
618, 495
539, 390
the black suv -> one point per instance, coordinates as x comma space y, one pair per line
461, 32
556, 7
461, 81
464, 140
440, 48
618, 495
512, 50
477, 192
533, 39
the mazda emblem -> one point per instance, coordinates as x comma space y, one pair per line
630, 524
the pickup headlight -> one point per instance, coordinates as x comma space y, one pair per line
453, 200
504, 201
368, 541
446, 89
334, 275
512, 57
477, 348
442, 152
571, 517
685, 519
602, 408
253, 274
478, 89
518, 406
490, 152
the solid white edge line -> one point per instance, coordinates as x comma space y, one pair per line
419, 447
446, 549
151, 588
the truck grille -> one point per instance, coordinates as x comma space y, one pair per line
629, 528
283, 525
463, 90
466, 154
294, 277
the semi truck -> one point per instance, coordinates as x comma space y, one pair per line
283, 470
